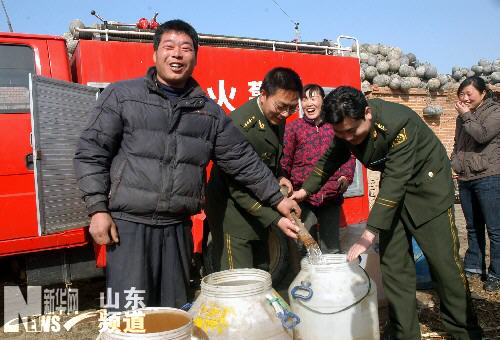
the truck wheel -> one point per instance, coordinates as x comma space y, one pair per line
278, 255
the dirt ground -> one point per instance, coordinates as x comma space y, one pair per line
487, 306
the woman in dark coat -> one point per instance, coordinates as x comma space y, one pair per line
476, 160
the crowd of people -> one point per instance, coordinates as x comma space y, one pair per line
140, 164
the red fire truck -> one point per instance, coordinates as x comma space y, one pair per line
45, 99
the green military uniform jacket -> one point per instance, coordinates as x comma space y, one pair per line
230, 205
415, 169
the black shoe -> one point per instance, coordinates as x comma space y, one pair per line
387, 336
472, 275
387, 332
492, 284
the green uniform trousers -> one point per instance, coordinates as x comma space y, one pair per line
231, 252
438, 239
323, 225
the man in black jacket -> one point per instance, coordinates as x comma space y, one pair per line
140, 164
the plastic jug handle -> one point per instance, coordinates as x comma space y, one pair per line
288, 319
186, 306
305, 286
198, 334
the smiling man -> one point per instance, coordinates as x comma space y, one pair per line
238, 220
140, 164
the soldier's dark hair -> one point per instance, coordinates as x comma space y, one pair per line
478, 83
176, 25
313, 88
281, 78
343, 102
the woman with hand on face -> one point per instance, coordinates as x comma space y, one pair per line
305, 142
476, 161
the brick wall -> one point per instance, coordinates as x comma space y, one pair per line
417, 99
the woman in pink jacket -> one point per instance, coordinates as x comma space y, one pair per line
305, 142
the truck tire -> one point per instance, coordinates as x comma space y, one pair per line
278, 253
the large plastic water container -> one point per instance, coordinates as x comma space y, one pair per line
241, 304
334, 300
158, 323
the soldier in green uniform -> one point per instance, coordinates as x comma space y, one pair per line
416, 198
239, 222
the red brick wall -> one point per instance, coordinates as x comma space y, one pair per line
417, 99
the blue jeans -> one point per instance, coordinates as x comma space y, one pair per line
480, 201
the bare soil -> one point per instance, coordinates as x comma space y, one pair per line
487, 305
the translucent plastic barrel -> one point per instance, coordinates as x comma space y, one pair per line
334, 300
241, 304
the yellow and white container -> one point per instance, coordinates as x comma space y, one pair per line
241, 304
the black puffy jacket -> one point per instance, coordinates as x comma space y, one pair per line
143, 158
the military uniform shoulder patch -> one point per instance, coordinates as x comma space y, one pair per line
380, 127
400, 138
247, 124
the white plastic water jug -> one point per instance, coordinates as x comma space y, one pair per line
241, 304
334, 300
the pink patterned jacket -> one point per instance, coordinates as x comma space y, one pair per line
304, 144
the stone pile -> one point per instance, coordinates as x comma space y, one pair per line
383, 65
486, 69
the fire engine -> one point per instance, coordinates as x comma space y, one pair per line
45, 99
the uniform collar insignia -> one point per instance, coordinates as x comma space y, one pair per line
262, 126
